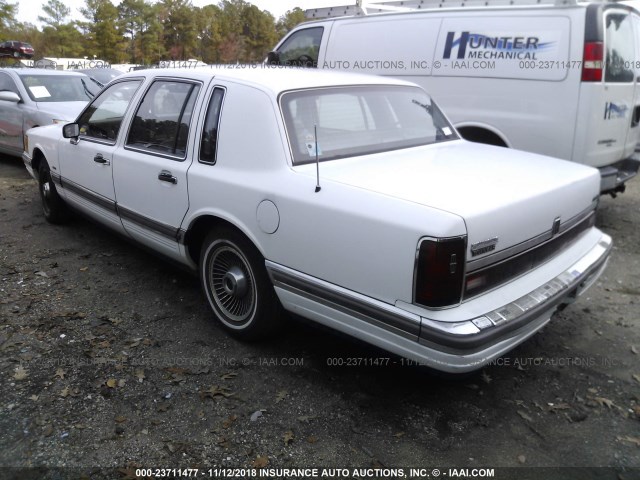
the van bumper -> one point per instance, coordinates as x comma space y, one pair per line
613, 177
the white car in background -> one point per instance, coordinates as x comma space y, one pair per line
34, 97
346, 199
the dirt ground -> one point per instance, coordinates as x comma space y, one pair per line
110, 361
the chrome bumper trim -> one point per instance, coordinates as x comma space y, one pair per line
475, 334
468, 341
364, 308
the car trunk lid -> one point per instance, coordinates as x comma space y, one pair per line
505, 196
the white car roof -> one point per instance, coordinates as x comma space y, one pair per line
273, 78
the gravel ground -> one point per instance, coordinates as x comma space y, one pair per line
110, 361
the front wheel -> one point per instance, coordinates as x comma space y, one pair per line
53, 207
237, 286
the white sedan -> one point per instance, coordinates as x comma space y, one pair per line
349, 200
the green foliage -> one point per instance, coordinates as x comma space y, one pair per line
147, 31
209, 31
290, 20
105, 40
180, 36
8, 13
56, 13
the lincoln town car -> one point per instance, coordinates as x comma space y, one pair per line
345, 199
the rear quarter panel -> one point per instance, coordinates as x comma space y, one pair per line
354, 238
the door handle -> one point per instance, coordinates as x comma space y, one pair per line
100, 159
166, 176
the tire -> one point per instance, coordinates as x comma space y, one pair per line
54, 209
237, 286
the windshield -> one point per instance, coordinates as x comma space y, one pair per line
59, 88
352, 121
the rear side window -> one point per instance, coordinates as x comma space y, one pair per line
301, 49
620, 51
209, 140
161, 124
102, 119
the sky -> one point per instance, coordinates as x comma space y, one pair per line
29, 10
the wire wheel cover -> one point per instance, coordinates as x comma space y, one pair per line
232, 284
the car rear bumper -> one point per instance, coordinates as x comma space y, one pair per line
451, 346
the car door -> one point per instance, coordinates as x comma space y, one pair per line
11, 118
86, 162
150, 172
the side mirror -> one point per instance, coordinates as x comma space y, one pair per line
71, 130
273, 58
8, 96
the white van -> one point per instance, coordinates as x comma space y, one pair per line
560, 79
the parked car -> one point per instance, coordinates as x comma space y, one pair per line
13, 48
33, 97
346, 199
556, 78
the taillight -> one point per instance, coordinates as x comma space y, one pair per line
593, 62
440, 271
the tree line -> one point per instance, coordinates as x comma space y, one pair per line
145, 32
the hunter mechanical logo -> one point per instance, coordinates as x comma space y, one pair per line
476, 45
615, 110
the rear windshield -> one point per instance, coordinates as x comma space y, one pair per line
343, 122
59, 88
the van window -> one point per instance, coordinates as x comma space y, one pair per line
620, 48
301, 49
346, 122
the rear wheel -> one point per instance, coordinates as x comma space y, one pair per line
237, 286
53, 207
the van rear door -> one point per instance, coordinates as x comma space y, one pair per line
633, 137
607, 104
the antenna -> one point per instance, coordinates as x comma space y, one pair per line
315, 139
